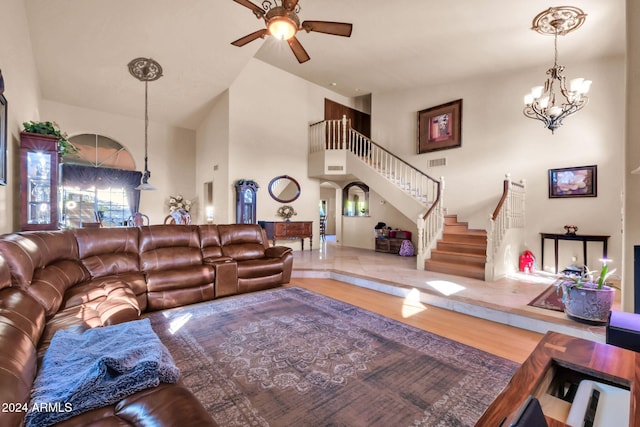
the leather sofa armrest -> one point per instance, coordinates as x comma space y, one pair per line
277, 251
217, 260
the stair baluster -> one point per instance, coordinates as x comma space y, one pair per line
330, 135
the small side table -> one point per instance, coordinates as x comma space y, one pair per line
579, 237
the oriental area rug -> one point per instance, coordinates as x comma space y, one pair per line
291, 357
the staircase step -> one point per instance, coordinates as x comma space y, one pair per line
450, 219
477, 239
463, 229
458, 257
463, 248
471, 271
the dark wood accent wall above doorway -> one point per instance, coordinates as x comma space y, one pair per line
359, 121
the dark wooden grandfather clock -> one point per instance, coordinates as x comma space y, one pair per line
246, 201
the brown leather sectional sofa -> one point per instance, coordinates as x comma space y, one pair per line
85, 278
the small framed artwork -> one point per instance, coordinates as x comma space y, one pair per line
439, 128
580, 181
3, 140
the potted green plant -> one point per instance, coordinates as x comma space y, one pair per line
586, 297
51, 128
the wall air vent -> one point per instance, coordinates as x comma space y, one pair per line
335, 168
437, 162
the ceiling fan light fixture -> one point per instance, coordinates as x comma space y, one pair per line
282, 28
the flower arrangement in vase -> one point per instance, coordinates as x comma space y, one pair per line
179, 202
286, 212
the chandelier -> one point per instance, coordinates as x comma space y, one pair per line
543, 103
146, 70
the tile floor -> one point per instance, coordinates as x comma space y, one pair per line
503, 301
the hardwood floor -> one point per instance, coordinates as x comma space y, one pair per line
496, 338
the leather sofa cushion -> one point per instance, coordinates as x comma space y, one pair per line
28, 251
49, 284
210, 241
168, 236
160, 300
17, 371
179, 278
108, 251
170, 258
244, 251
167, 247
242, 241
19, 309
117, 305
21, 323
259, 268
99, 289
164, 405
241, 233
5, 274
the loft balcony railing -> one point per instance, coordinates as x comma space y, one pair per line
332, 135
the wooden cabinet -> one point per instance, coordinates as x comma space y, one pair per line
388, 244
555, 365
38, 181
287, 230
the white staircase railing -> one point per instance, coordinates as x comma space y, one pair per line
329, 135
430, 226
509, 214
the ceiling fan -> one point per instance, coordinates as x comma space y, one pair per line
283, 23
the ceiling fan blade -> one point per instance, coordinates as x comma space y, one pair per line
289, 5
334, 28
250, 37
259, 12
298, 50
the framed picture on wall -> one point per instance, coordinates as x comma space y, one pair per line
580, 181
3, 140
439, 128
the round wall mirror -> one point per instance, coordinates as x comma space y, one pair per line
284, 189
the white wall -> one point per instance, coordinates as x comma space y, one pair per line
171, 150
212, 159
269, 111
632, 182
359, 231
498, 139
22, 93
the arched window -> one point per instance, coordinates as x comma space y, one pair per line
98, 183
355, 199
99, 151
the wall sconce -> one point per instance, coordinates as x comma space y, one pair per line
209, 213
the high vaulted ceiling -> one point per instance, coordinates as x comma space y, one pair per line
82, 47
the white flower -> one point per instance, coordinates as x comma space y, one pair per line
179, 202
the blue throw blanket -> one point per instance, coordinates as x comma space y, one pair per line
97, 368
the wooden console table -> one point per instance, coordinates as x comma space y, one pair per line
578, 237
557, 358
287, 230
